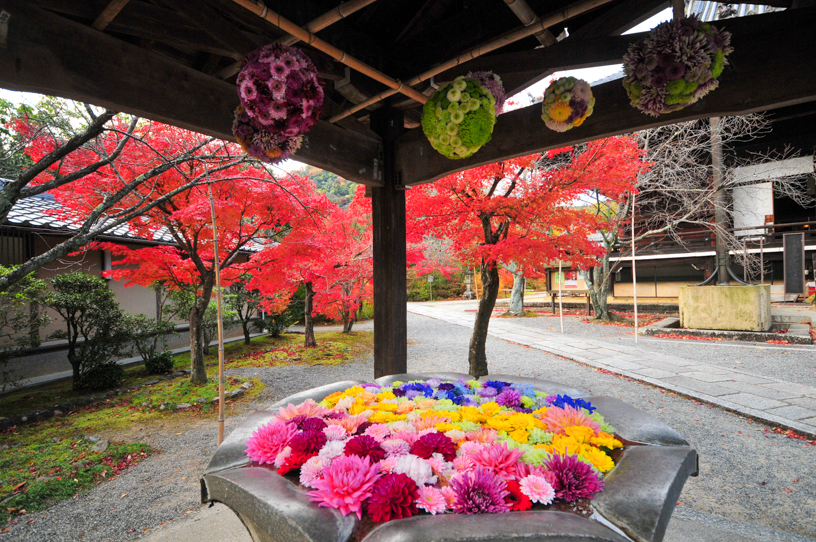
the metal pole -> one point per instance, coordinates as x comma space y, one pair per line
220, 318
745, 262
761, 260
634, 277
560, 297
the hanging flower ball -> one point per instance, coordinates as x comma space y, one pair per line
493, 84
264, 145
280, 91
458, 119
676, 65
567, 103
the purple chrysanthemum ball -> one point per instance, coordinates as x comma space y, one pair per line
479, 492
573, 479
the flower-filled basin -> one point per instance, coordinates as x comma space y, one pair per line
435, 456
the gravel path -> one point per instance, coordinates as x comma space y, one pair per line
792, 363
745, 472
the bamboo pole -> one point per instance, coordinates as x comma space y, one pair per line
315, 25
497, 43
560, 296
310, 39
220, 319
634, 278
108, 14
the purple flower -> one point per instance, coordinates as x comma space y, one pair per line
479, 491
488, 392
573, 479
509, 397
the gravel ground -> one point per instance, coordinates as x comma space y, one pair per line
746, 474
792, 363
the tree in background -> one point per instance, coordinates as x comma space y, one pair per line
91, 313
521, 211
20, 321
101, 166
250, 207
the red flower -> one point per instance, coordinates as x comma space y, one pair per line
392, 497
295, 461
365, 446
517, 500
432, 443
304, 445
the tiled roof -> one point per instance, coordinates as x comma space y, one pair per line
43, 212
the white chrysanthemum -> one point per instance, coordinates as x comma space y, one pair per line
332, 449
415, 468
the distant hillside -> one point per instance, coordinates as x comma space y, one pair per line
336, 188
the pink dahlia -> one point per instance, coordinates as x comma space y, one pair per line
498, 459
395, 447
431, 500
388, 464
308, 408
313, 470
479, 492
516, 499
379, 431
432, 443
523, 470
268, 441
393, 496
537, 488
574, 479
464, 463
335, 432
365, 446
428, 422
483, 434
409, 437
558, 419
449, 494
346, 484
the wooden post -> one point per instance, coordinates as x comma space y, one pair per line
560, 296
390, 281
220, 320
634, 277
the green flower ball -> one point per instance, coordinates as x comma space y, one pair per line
458, 119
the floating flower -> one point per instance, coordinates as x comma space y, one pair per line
567, 103
346, 484
573, 478
458, 120
493, 84
313, 470
365, 446
431, 500
479, 492
498, 459
416, 468
434, 443
268, 441
537, 488
675, 66
558, 419
516, 499
393, 496
395, 447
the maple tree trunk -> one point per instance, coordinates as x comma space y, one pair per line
198, 372
476, 354
597, 281
309, 341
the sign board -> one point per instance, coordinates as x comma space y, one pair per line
570, 279
794, 256
430, 278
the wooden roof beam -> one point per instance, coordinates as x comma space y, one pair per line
327, 19
341, 56
527, 17
773, 65
511, 37
108, 14
619, 19
56, 56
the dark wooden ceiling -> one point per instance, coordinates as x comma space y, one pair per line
176, 61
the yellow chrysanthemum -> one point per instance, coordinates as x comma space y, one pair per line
443, 427
560, 111
578, 122
546, 447
472, 414
387, 407
580, 433
383, 395
353, 391
490, 409
606, 440
599, 459
564, 445
385, 417
332, 399
453, 415
500, 423
520, 435
358, 407
538, 411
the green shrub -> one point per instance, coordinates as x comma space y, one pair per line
102, 376
275, 324
160, 363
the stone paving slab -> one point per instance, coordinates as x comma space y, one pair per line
780, 403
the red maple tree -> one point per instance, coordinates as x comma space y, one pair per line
526, 210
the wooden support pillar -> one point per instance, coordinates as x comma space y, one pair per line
390, 282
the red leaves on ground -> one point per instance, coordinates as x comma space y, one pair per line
685, 337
